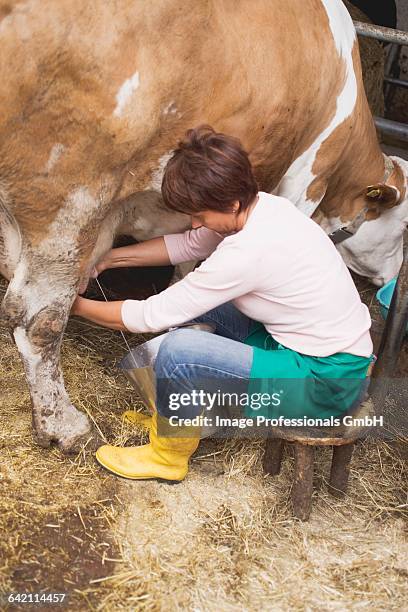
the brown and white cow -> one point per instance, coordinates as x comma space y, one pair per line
94, 97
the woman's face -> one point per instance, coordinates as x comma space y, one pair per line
222, 222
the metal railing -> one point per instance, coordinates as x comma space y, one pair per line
392, 128
397, 82
380, 33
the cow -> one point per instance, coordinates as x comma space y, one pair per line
95, 97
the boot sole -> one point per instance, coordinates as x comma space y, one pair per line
157, 478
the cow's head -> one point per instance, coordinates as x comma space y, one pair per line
375, 251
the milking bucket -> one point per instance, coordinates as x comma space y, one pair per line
138, 368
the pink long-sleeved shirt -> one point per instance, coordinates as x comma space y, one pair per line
281, 269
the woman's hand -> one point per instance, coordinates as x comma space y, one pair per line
151, 252
105, 263
107, 314
76, 306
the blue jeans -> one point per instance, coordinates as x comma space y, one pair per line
189, 360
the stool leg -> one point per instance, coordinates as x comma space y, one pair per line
340, 469
303, 481
273, 456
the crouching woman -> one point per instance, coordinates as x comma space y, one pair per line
286, 312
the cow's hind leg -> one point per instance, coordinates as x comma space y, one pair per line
36, 309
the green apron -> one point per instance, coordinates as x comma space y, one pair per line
303, 386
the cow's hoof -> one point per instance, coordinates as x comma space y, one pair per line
70, 429
42, 438
75, 431
72, 445
89, 441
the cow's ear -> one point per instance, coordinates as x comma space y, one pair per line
384, 195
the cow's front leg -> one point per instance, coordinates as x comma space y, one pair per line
36, 309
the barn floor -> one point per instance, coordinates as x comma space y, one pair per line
224, 539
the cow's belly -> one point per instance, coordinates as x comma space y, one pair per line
142, 216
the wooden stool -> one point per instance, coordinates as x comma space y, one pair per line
342, 439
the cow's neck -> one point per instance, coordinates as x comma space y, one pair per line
345, 176
360, 165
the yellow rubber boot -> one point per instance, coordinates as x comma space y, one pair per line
165, 457
138, 418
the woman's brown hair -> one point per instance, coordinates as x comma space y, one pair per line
208, 170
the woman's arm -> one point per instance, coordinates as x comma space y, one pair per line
194, 244
151, 252
107, 314
161, 251
225, 275
228, 273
